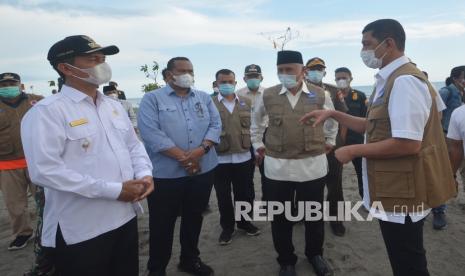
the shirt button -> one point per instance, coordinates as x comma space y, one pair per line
190, 142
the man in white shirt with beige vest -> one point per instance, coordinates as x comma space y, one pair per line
405, 162
295, 160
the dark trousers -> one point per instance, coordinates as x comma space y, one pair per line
112, 253
281, 228
404, 244
188, 194
357, 162
239, 175
334, 183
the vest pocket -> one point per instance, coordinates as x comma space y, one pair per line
274, 134
245, 119
245, 136
224, 145
394, 178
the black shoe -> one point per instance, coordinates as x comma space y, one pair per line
320, 266
287, 270
157, 273
338, 228
226, 237
439, 221
19, 243
250, 229
196, 267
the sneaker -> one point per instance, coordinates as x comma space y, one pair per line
19, 243
338, 228
226, 237
439, 221
196, 267
250, 229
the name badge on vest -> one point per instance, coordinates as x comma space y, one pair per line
311, 97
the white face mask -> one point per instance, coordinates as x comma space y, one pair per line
370, 59
342, 83
98, 74
184, 81
113, 95
288, 81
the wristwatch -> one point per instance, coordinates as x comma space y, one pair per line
206, 148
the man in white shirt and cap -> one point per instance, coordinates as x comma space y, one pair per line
88, 158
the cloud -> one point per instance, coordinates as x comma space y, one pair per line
149, 32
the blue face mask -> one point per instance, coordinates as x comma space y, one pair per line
9, 92
226, 88
315, 76
253, 83
288, 81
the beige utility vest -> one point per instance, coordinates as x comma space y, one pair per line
410, 183
11, 147
286, 137
235, 133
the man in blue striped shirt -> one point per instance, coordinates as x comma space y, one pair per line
179, 126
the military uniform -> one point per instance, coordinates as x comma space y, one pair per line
14, 177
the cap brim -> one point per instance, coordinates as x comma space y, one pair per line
108, 50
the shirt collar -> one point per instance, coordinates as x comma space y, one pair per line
220, 97
171, 91
76, 95
387, 70
303, 89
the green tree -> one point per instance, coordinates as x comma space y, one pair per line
150, 73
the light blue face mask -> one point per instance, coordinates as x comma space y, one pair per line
288, 81
226, 89
9, 92
253, 83
315, 76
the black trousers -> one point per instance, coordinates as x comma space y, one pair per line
404, 244
281, 228
239, 175
357, 162
188, 194
334, 183
112, 253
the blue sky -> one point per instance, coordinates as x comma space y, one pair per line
225, 34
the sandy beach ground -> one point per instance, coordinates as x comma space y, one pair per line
360, 252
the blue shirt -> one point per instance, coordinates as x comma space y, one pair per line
166, 120
452, 98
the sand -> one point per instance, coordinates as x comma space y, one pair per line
360, 252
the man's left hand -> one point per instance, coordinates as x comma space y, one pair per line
149, 186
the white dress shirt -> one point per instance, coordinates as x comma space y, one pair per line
296, 170
456, 129
234, 158
409, 108
81, 152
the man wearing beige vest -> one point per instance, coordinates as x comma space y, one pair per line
295, 160
405, 162
14, 178
234, 159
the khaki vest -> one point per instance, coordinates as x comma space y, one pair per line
410, 183
286, 138
235, 133
11, 147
